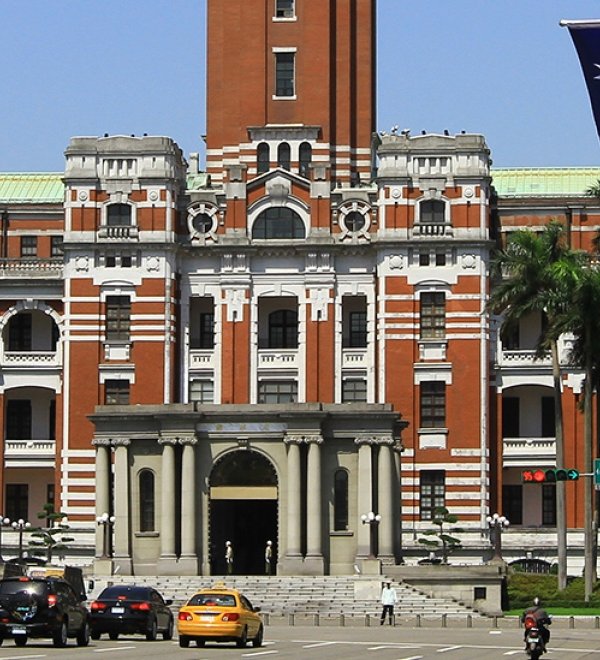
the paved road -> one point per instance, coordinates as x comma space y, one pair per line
310, 643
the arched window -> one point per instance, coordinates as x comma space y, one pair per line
432, 212
283, 329
118, 215
278, 222
263, 158
147, 501
284, 155
340, 501
305, 156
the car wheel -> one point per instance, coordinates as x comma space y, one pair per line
168, 634
258, 640
243, 640
21, 640
113, 636
83, 636
184, 641
1, 640
152, 632
60, 637
95, 635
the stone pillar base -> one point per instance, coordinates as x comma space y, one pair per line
122, 565
167, 565
103, 566
371, 566
188, 565
314, 565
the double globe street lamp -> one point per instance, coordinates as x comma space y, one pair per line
497, 525
20, 526
372, 519
106, 522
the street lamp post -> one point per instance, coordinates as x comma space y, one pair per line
20, 526
3, 523
106, 522
497, 525
373, 520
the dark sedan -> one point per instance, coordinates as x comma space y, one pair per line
130, 609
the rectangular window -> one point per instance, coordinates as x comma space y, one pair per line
116, 392
423, 258
118, 318
56, 246
440, 258
548, 421
511, 427
202, 390
284, 8
284, 74
433, 315
19, 332
433, 405
354, 390
548, 505
510, 337
358, 330
432, 492
17, 501
18, 419
29, 246
277, 391
512, 503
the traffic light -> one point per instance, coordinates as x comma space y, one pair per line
549, 476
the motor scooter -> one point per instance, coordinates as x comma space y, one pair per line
534, 642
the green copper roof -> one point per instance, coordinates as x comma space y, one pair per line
31, 187
544, 181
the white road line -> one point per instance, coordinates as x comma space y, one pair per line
449, 648
253, 655
316, 646
379, 648
116, 648
413, 657
513, 652
21, 657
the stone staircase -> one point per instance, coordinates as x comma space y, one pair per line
353, 596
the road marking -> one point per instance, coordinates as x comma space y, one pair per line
20, 657
253, 655
449, 648
513, 652
413, 657
316, 646
116, 648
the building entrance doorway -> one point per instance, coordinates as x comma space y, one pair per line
243, 510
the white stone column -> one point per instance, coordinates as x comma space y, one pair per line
122, 505
364, 493
386, 498
294, 494
102, 488
314, 514
167, 517
189, 557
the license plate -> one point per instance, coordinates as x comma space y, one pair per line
18, 630
117, 610
206, 618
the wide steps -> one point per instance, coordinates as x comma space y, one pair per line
288, 595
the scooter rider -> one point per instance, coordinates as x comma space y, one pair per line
542, 619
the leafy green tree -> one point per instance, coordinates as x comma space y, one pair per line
535, 273
443, 540
50, 539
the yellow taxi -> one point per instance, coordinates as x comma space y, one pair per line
219, 614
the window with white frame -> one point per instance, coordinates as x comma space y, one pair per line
116, 392
432, 212
433, 315
354, 390
432, 404
285, 74
118, 318
28, 246
284, 8
202, 390
147, 501
118, 215
432, 492
277, 391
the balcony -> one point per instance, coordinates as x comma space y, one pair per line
278, 358
36, 359
527, 452
354, 358
118, 232
522, 358
432, 230
201, 359
31, 268
29, 453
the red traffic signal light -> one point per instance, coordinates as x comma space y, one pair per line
551, 475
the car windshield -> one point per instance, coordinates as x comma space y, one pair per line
124, 593
12, 587
214, 600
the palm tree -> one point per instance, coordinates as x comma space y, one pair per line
535, 275
582, 320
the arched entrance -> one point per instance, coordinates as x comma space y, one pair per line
243, 510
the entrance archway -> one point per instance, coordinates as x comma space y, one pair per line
243, 510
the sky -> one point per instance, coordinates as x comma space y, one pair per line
502, 68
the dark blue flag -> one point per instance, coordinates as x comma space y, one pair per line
586, 37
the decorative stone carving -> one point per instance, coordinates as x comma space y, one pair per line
396, 262
302, 439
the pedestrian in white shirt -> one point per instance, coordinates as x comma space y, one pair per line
388, 600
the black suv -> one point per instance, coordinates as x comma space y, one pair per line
42, 607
